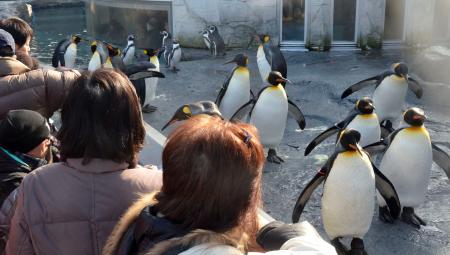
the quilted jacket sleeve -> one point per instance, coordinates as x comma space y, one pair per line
57, 87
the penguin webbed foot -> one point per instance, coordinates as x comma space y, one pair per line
272, 157
409, 217
149, 109
175, 70
357, 247
385, 215
340, 248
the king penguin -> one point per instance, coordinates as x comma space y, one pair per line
268, 112
235, 91
217, 43
96, 61
129, 51
184, 112
65, 52
269, 58
348, 193
362, 119
151, 83
407, 161
112, 54
389, 95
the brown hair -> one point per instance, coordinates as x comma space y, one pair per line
212, 175
18, 28
101, 118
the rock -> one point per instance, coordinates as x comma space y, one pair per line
19, 9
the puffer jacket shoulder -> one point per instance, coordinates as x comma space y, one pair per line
39, 90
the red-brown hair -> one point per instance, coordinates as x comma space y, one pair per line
212, 175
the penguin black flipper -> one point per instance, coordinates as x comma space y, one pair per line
441, 158
415, 87
252, 94
146, 74
137, 67
139, 86
244, 110
387, 191
58, 54
321, 137
297, 114
375, 80
224, 88
275, 59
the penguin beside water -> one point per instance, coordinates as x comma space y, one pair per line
390, 92
65, 53
269, 111
362, 119
236, 90
350, 180
407, 161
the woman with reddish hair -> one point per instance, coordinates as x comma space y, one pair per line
209, 200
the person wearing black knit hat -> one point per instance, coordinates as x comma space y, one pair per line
24, 146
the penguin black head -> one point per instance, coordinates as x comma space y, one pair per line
164, 33
151, 52
414, 116
131, 38
349, 139
212, 28
275, 78
112, 52
205, 33
240, 60
76, 39
94, 46
400, 69
365, 105
189, 110
264, 38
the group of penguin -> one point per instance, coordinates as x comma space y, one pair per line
350, 177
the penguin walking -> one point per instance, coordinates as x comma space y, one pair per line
187, 111
269, 58
151, 83
407, 161
268, 112
128, 53
65, 52
362, 119
173, 53
96, 61
348, 193
236, 90
217, 44
390, 92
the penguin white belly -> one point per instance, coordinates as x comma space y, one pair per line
348, 196
128, 58
70, 55
208, 45
369, 128
150, 87
176, 58
237, 94
108, 64
269, 116
263, 66
389, 97
95, 62
407, 164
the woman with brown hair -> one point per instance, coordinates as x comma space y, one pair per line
71, 207
209, 200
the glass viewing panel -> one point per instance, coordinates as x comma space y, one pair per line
344, 20
394, 20
293, 20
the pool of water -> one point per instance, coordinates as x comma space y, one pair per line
51, 25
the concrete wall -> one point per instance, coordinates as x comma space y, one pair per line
370, 20
419, 22
237, 20
319, 25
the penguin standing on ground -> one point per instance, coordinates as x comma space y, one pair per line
151, 83
269, 113
173, 53
65, 52
187, 111
129, 51
407, 163
269, 58
217, 44
389, 95
362, 118
96, 61
113, 54
206, 39
167, 42
235, 91
348, 193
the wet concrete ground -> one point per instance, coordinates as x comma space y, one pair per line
319, 79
